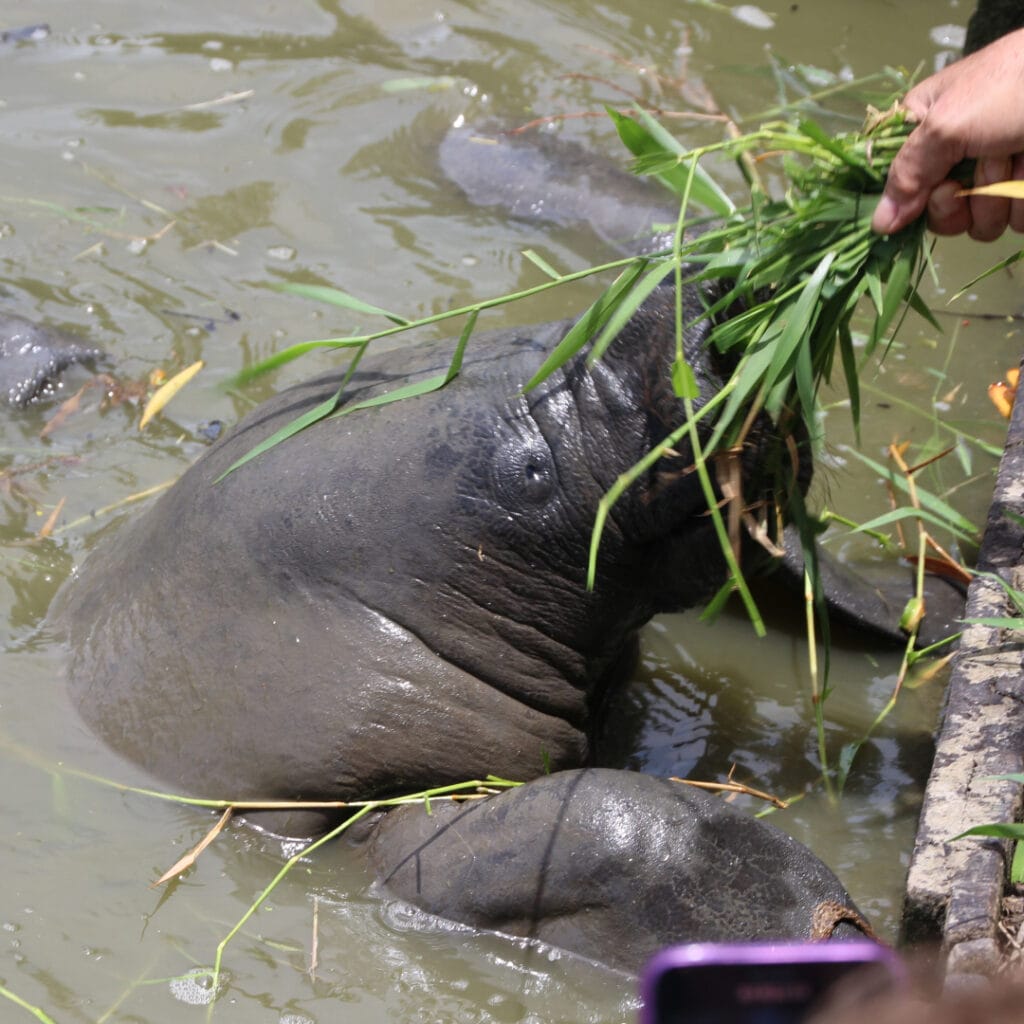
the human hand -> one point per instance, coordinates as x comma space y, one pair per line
973, 108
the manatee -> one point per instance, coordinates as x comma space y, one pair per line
395, 598
545, 179
553, 182
32, 358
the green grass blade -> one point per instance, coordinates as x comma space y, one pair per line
949, 515
307, 419
542, 264
899, 514
997, 623
1001, 265
803, 374
589, 324
36, 1012
920, 307
336, 297
285, 356
995, 831
874, 286
420, 387
625, 309
745, 383
650, 139
800, 322
1015, 596
895, 290
848, 356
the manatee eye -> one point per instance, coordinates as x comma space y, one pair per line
524, 473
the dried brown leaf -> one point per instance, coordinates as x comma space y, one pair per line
51, 520
193, 855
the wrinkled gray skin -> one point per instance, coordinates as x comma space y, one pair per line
611, 864
32, 359
395, 599
543, 179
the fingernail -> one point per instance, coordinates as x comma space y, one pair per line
885, 215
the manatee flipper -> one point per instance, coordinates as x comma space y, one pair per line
872, 602
32, 359
612, 865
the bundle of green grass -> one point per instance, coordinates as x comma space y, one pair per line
798, 265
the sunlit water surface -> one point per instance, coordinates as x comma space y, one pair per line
158, 224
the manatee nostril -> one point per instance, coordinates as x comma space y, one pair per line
537, 485
523, 474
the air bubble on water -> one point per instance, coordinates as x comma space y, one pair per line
952, 36
220, 64
281, 252
753, 16
194, 988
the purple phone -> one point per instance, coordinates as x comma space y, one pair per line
760, 983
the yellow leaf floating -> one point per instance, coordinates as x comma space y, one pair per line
1003, 393
167, 391
1003, 189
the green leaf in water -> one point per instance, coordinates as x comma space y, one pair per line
426, 83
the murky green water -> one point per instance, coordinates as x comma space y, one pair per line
157, 222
